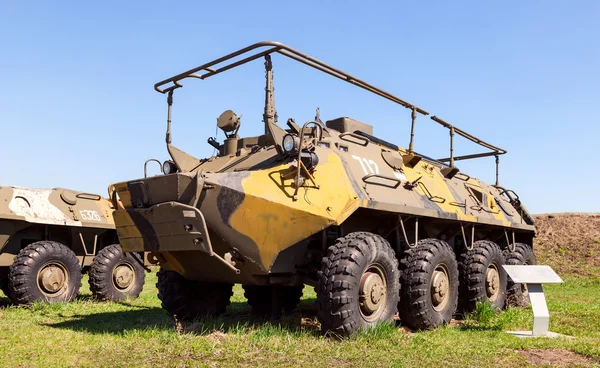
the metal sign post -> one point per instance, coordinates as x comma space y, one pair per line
533, 277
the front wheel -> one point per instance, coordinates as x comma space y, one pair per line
358, 285
115, 275
44, 271
187, 299
270, 298
429, 285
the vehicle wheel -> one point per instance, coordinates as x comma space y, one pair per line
517, 294
115, 275
429, 277
263, 298
482, 277
358, 284
44, 271
187, 300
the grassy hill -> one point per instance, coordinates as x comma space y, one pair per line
570, 243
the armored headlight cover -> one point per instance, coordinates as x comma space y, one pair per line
309, 159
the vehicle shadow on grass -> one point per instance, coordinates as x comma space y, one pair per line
237, 319
5, 302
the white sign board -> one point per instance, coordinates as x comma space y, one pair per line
534, 276
527, 274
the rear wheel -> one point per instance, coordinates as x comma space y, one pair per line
517, 294
358, 285
115, 275
44, 271
269, 299
429, 285
187, 299
482, 277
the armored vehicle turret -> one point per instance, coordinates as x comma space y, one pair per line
375, 227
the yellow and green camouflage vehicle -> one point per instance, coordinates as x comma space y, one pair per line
50, 237
376, 228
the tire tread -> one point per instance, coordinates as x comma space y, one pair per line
100, 274
415, 266
19, 277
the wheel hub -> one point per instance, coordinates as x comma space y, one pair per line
440, 287
52, 278
123, 276
492, 282
372, 294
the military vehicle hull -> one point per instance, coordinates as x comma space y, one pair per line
375, 227
63, 231
255, 212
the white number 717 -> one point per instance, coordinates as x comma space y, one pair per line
370, 164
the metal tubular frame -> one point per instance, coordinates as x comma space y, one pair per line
494, 151
299, 157
212, 68
146, 166
277, 47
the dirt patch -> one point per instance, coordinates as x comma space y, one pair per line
570, 243
217, 336
556, 357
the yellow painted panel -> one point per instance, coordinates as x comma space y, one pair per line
283, 221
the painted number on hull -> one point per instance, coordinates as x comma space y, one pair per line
90, 215
368, 166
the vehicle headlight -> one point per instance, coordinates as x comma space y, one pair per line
309, 159
290, 143
169, 167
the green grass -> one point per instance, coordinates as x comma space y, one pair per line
139, 333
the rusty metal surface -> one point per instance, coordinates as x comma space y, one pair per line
271, 207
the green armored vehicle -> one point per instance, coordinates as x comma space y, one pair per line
376, 228
50, 237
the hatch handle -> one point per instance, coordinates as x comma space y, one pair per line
431, 197
355, 136
369, 176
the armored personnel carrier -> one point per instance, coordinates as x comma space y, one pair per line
50, 237
376, 228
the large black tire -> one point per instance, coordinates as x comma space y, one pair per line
358, 285
44, 271
517, 294
429, 287
263, 298
187, 300
482, 277
115, 275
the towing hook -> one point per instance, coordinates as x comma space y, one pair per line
412, 184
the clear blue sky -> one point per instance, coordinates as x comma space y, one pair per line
79, 111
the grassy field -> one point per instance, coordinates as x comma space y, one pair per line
139, 333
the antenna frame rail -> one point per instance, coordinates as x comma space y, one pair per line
212, 68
